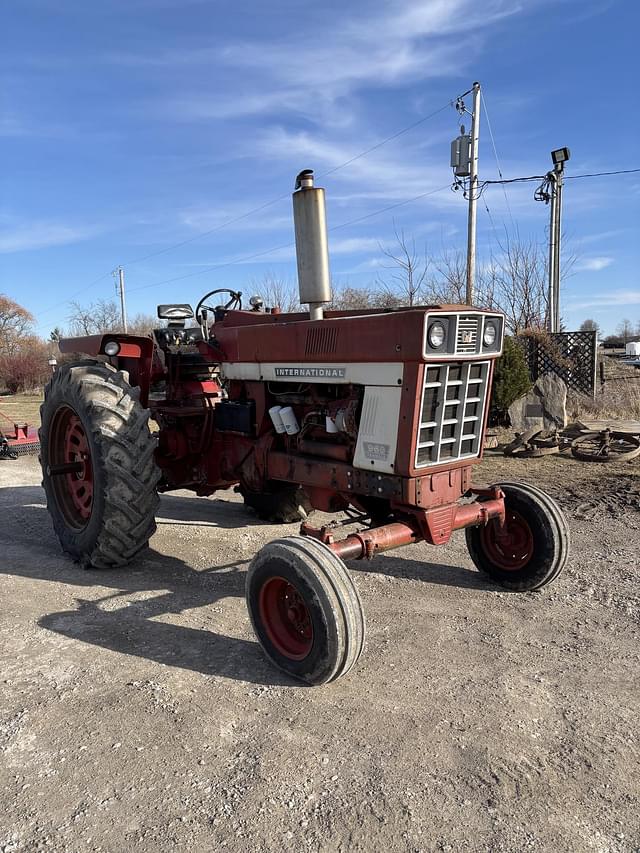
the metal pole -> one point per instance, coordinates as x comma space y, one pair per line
553, 250
556, 283
473, 194
123, 307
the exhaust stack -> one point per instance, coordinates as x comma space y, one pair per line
312, 248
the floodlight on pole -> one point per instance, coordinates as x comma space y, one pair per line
560, 156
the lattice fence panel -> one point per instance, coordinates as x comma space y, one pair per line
570, 355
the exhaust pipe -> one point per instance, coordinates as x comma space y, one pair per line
312, 248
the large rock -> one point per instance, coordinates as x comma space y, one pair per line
544, 407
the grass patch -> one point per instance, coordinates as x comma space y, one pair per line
20, 408
619, 398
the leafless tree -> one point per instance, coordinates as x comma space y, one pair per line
448, 284
15, 323
100, 316
409, 270
625, 330
349, 298
590, 326
277, 292
521, 286
143, 324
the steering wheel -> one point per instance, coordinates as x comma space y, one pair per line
236, 300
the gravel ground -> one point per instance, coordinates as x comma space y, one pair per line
137, 712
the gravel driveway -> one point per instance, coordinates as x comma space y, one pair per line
137, 712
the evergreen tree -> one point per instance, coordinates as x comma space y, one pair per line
510, 379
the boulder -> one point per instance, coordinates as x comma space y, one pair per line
544, 407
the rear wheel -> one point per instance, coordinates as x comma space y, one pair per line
99, 472
530, 549
305, 609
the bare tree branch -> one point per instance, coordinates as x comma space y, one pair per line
93, 319
15, 323
277, 292
410, 270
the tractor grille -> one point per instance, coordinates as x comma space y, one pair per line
452, 412
467, 334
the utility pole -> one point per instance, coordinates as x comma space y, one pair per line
473, 194
464, 162
553, 252
551, 192
559, 169
123, 307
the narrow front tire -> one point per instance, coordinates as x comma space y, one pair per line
531, 549
305, 609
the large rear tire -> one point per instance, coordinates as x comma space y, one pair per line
305, 609
531, 549
99, 471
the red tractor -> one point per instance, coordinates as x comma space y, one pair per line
378, 415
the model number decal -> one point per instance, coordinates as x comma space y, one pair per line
312, 372
375, 450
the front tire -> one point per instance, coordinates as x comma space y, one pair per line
531, 549
99, 471
305, 609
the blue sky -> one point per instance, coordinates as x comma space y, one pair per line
130, 126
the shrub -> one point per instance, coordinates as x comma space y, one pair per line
27, 367
510, 380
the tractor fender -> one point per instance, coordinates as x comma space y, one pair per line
135, 355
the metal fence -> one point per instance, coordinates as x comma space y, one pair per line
570, 355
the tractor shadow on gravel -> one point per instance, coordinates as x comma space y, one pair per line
136, 611
192, 511
405, 568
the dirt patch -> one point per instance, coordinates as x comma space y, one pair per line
138, 713
583, 489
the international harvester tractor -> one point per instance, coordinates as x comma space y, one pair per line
375, 415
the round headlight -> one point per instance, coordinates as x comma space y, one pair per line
489, 335
436, 335
112, 348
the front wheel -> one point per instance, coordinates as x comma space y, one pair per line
530, 549
305, 609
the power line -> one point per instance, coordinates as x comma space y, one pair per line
273, 201
266, 204
601, 174
493, 224
384, 141
566, 177
390, 207
212, 268
77, 293
495, 153
251, 257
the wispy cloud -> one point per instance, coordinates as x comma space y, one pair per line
329, 59
599, 236
232, 216
41, 235
612, 299
594, 264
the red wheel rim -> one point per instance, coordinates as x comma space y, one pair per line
509, 547
68, 443
285, 618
